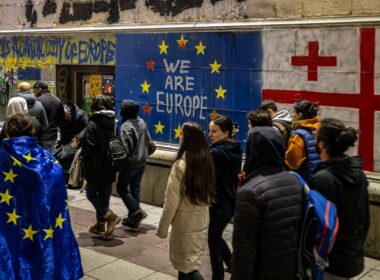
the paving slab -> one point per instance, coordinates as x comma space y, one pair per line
139, 254
120, 270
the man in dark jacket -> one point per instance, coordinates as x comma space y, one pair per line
268, 213
35, 108
54, 112
97, 167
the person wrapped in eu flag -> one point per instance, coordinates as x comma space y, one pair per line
36, 239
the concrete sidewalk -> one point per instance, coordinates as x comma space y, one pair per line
140, 254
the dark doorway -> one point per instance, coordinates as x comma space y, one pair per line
73, 81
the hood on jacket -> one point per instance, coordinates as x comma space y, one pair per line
75, 111
104, 118
310, 124
16, 105
348, 169
268, 148
282, 115
29, 97
129, 109
229, 150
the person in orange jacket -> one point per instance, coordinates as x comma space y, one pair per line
301, 154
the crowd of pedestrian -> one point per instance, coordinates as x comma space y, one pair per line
207, 186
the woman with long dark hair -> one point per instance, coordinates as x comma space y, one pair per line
301, 155
188, 195
227, 155
341, 179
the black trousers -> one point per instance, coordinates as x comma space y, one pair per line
194, 275
219, 251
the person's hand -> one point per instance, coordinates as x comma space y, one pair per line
241, 178
75, 142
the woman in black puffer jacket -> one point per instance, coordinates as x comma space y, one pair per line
341, 179
227, 157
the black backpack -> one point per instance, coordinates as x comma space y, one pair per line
118, 154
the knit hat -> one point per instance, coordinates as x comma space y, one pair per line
16, 105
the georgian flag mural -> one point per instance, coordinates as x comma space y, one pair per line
178, 77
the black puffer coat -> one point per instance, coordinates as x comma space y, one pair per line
268, 214
97, 168
344, 183
227, 160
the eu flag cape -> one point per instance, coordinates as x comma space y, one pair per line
36, 239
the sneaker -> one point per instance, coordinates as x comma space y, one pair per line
98, 228
134, 221
112, 221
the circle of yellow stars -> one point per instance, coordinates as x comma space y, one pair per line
5, 197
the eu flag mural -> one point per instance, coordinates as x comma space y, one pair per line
177, 77
36, 239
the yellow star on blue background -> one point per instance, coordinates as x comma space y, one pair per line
6, 197
29, 157
9, 176
159, 127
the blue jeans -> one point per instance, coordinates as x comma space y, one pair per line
131, 196
99, 196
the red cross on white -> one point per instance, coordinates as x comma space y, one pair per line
365, 100
313, 61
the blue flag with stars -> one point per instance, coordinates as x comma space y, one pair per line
179, 77
36, 239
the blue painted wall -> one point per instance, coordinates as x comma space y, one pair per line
181, 85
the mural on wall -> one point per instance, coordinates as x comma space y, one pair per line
42, 52
72, 11
193, 76
179, 77
338, 68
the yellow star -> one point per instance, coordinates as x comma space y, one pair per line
177, 131
182, 42
220, 91
9, 176
215, 67
29, 157
145, 86
29, 232
67, 202
49, 233
6, 197
59, 221
200, 48
16, 162
163, 47
12, 217
159, 128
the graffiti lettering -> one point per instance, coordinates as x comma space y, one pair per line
84, 10
50, 7
186, 106
31, 15
61, 49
